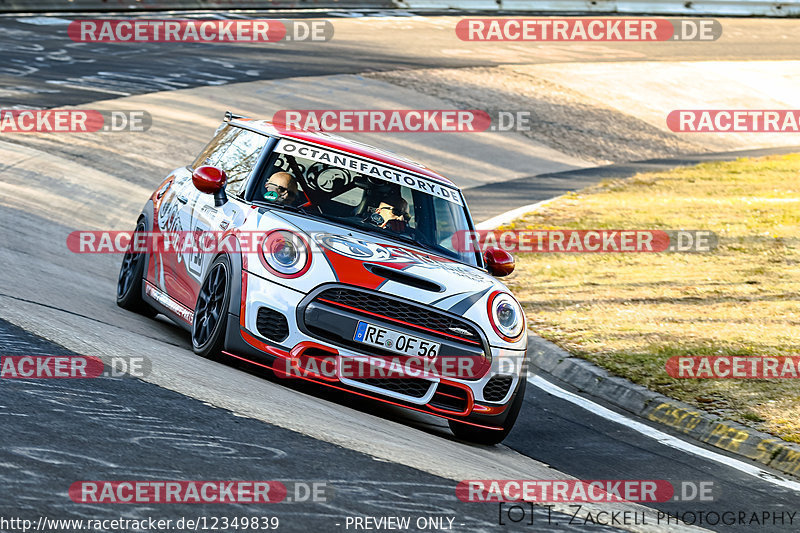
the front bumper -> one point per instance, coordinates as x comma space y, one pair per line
309, 351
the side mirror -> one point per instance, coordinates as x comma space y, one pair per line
499, 262
211, 180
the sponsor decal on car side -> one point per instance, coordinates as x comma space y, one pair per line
365, 250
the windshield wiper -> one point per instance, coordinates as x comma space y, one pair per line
295, 208
364, 228
342, 221
430, 247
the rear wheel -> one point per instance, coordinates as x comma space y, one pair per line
491, 436
211, 310
131, 275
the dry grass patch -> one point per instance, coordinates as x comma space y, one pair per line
630, 312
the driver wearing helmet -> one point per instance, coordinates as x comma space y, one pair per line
391, 213
281, 188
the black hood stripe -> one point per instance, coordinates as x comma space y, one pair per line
462, 306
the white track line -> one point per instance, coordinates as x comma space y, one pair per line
660, 436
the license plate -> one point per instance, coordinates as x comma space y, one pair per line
395, 341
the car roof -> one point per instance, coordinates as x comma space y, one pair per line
341, 144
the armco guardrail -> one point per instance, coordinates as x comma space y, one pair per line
761, 8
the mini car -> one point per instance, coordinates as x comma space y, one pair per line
337, 263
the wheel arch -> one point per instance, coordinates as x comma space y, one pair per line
147, 215
237, 267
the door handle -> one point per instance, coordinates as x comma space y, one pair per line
183, 199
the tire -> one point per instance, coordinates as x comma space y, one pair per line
490, 437
211, 310
130, 279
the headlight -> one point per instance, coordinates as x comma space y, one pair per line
506, 316
285, 254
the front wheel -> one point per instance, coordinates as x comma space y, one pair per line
491, 436
131, 275
211, 310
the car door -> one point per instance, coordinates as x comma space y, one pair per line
166, 267
236, 151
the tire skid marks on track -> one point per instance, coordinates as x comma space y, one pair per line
28, 469
28, 55
126, 83
96, 406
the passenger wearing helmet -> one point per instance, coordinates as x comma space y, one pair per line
391, 213
281, 188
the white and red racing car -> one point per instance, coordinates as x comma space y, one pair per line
334, 262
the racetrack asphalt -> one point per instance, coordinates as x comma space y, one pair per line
127, 429
44, 68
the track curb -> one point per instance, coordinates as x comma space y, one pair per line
548, 359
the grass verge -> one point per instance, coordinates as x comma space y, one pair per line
630, 312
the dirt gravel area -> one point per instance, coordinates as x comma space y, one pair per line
573, 123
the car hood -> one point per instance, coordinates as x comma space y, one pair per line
374, 262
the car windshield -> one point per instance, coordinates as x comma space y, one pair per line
365, 194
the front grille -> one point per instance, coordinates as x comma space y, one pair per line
450, 398
400, 310
497, 388
415, 388
272, 324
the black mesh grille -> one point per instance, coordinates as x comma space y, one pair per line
497, 388
450, 398
272, 324
415, 388
412, 314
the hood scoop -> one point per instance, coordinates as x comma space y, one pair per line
405, 278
